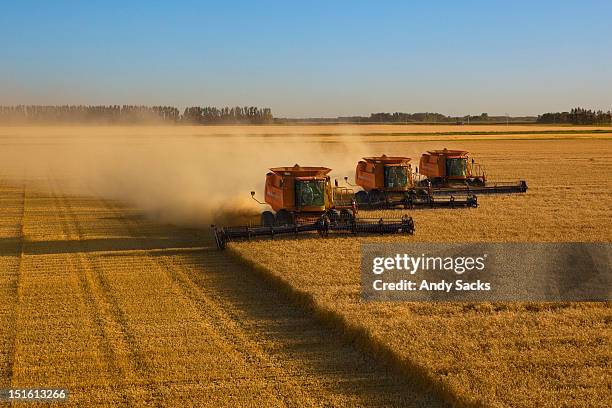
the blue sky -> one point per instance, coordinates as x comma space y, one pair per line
317, 58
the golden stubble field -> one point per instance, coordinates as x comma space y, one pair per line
110, 284
122, 311
496, 354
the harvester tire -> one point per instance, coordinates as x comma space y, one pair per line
376, 197
333, 215
323, 225
475, 182
409, 199
284, 217
437, 182
361, 197
422, 194
346, 215
267, 219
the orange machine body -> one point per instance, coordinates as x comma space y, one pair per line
384, 173
449, 165
306, 190
284, 185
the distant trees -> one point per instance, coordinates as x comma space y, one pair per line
407, 117
577, 116
432, 117
131, 114
139, 114
210, 115
87, 114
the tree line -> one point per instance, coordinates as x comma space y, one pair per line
247, 114
433, 117
407, 117
577, 116
132, 114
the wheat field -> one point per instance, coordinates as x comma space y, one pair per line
495, 354
122, 311
111, 286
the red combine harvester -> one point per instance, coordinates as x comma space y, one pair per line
303, 200
453, 171
388, 182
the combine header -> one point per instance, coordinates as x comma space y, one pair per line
304, 200
453, 172
388, 182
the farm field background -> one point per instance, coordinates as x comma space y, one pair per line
110, 285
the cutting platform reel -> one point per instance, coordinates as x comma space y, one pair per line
498, 187
414, 199
329, 223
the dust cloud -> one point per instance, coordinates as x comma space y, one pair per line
188, 180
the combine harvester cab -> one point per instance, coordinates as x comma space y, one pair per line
388, 182
453, 172
303, 200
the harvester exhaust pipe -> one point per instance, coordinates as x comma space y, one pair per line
347, 182
253, 197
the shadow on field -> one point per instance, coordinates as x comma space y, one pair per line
294, 337
320, 359
103, 245
10, 246
185, 242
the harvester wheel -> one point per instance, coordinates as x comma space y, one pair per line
409, 199
422, 194
323, 225
346, 216
333, 215
361, 197
437, 182
376, 197
284, 217
267, 219
423, 183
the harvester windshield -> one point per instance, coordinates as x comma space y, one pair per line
310, 193
396, 176
456, 167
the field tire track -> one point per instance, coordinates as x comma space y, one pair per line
233, 329
107, 315
13, 341
227, 327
